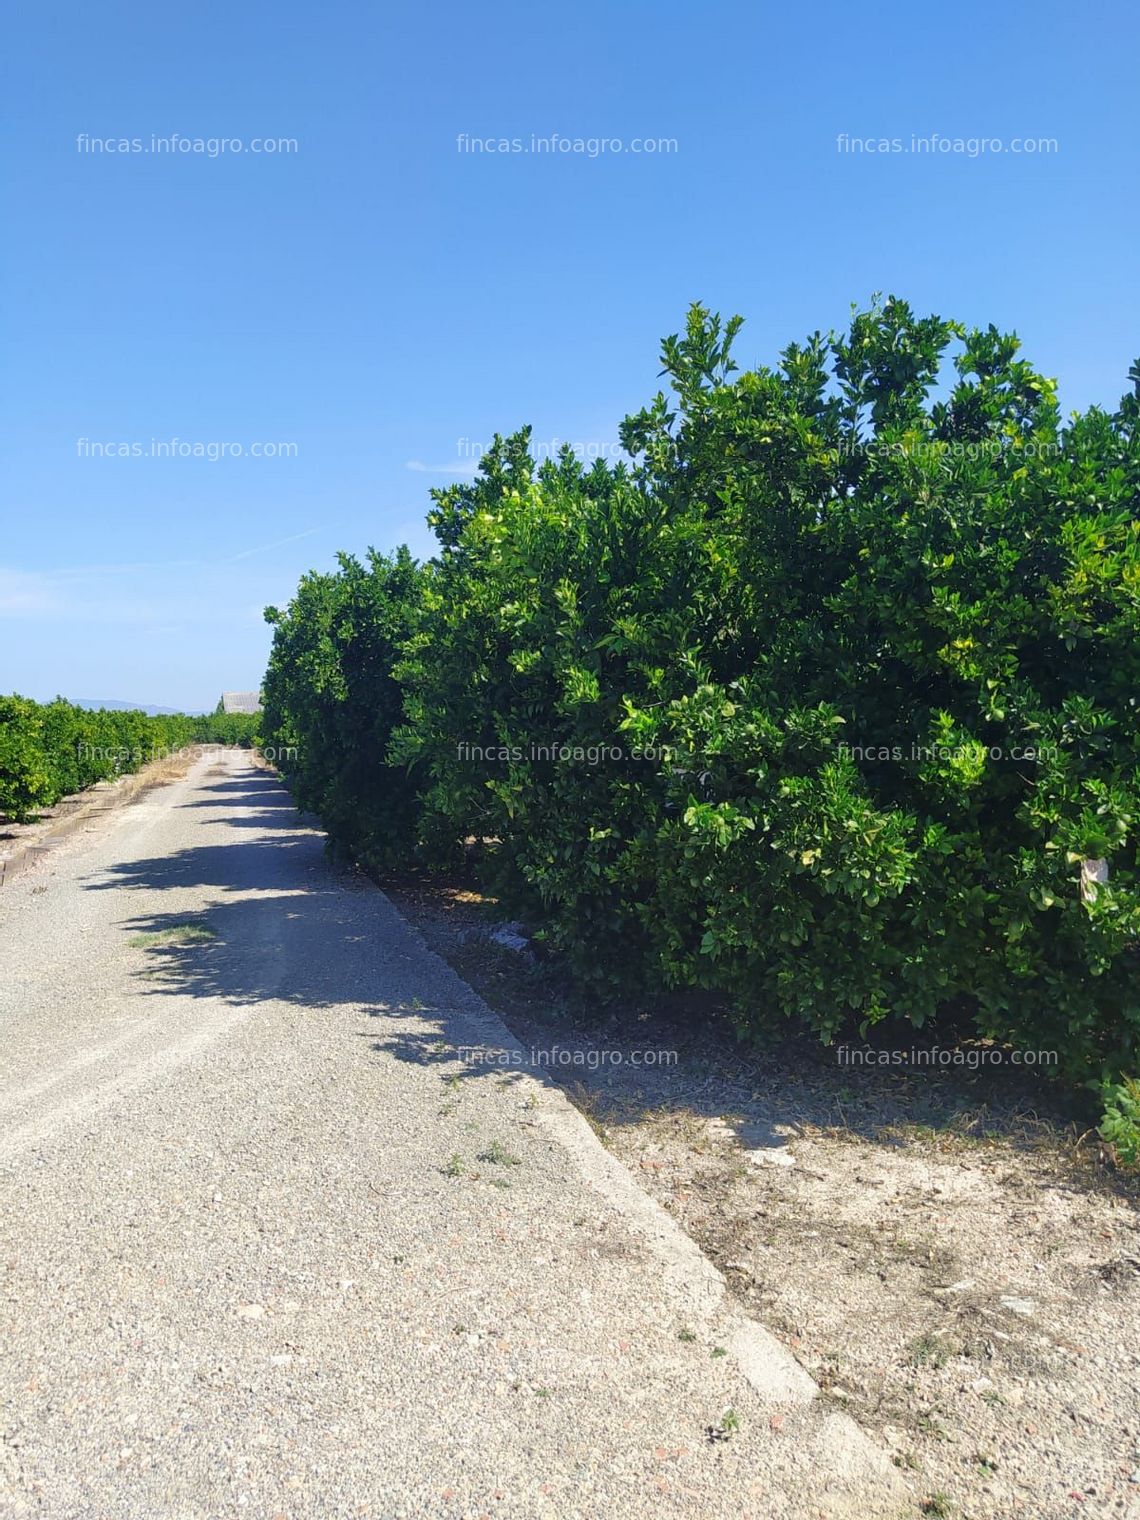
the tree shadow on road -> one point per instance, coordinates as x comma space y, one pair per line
274, 920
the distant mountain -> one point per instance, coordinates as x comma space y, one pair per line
112, 706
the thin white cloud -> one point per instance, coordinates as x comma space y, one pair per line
440, 469
27, 594
88, 596
153, 595
106, 593
276, 544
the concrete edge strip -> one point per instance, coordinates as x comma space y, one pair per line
767, 1364
858, 1462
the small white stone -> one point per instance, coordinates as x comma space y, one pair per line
1023, 1306
776, 1156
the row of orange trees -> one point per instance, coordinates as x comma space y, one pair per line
821, 699
49, 750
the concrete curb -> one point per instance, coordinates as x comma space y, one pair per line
870, 1483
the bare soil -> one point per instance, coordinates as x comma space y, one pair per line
948, 1252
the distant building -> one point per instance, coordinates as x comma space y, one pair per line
241, 701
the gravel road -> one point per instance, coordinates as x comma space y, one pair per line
269, 1248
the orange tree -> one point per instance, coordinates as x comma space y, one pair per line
820, 700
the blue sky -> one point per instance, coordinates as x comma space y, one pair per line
359, 303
